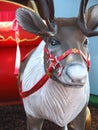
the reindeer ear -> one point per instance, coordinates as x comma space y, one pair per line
92, 17
29, 21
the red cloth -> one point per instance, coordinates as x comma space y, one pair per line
8, 81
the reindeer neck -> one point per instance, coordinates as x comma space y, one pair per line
34, 68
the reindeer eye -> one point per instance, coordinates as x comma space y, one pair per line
53, 42
85, 44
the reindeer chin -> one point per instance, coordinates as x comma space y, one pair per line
68, 84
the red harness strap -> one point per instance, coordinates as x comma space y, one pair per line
66, 53
36, 87
39, 84
54, 64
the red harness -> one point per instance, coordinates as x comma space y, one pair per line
54, 64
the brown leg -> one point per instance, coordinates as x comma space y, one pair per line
82, 121
62, 128
34, 123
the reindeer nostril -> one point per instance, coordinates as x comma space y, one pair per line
77, 72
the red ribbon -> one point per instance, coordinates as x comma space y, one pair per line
18, 55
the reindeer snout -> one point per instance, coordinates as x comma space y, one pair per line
77, 73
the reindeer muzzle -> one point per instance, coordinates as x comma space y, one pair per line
55, 61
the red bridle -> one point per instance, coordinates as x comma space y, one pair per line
55, 61
54, 64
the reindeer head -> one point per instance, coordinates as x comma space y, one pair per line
66, 49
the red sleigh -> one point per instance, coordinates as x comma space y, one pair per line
8, 82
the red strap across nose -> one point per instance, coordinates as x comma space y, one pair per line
66, 53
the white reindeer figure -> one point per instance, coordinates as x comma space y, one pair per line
54, 77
